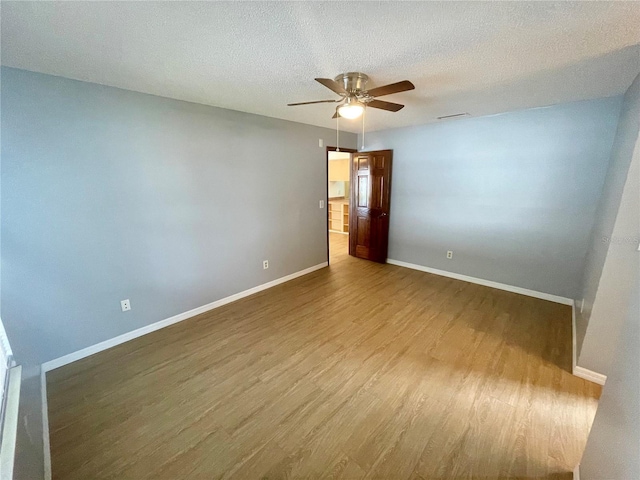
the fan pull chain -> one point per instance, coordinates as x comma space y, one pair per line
337, 131
363, 114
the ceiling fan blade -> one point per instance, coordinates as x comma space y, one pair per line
335, 115
392, 88
392, 107
332, 85
309, 103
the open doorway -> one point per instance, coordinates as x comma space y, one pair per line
338, 190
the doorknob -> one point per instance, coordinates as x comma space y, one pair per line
383, 214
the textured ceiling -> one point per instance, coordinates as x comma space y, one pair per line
476, 57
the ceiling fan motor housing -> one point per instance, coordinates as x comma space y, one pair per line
353, 82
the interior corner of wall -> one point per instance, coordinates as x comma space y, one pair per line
30, 371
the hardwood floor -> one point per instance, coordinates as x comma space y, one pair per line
338, 248
360, 370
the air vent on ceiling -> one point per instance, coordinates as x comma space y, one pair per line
454, 116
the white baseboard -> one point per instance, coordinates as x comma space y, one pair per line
578, 371
46, 445
99, 347
590, 375
486, 283
576, 473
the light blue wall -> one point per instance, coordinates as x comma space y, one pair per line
611, 331
110, 194
594, 357
513, 195
612, 451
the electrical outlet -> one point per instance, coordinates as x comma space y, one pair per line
265, 264
321, 203
449, 254
125, 305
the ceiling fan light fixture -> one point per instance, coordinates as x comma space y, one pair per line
351, 109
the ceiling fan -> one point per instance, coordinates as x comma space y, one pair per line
354, 95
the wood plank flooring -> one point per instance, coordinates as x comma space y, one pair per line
359, 370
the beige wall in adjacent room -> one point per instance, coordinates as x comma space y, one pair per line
339, 170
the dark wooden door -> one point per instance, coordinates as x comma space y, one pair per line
369, 205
